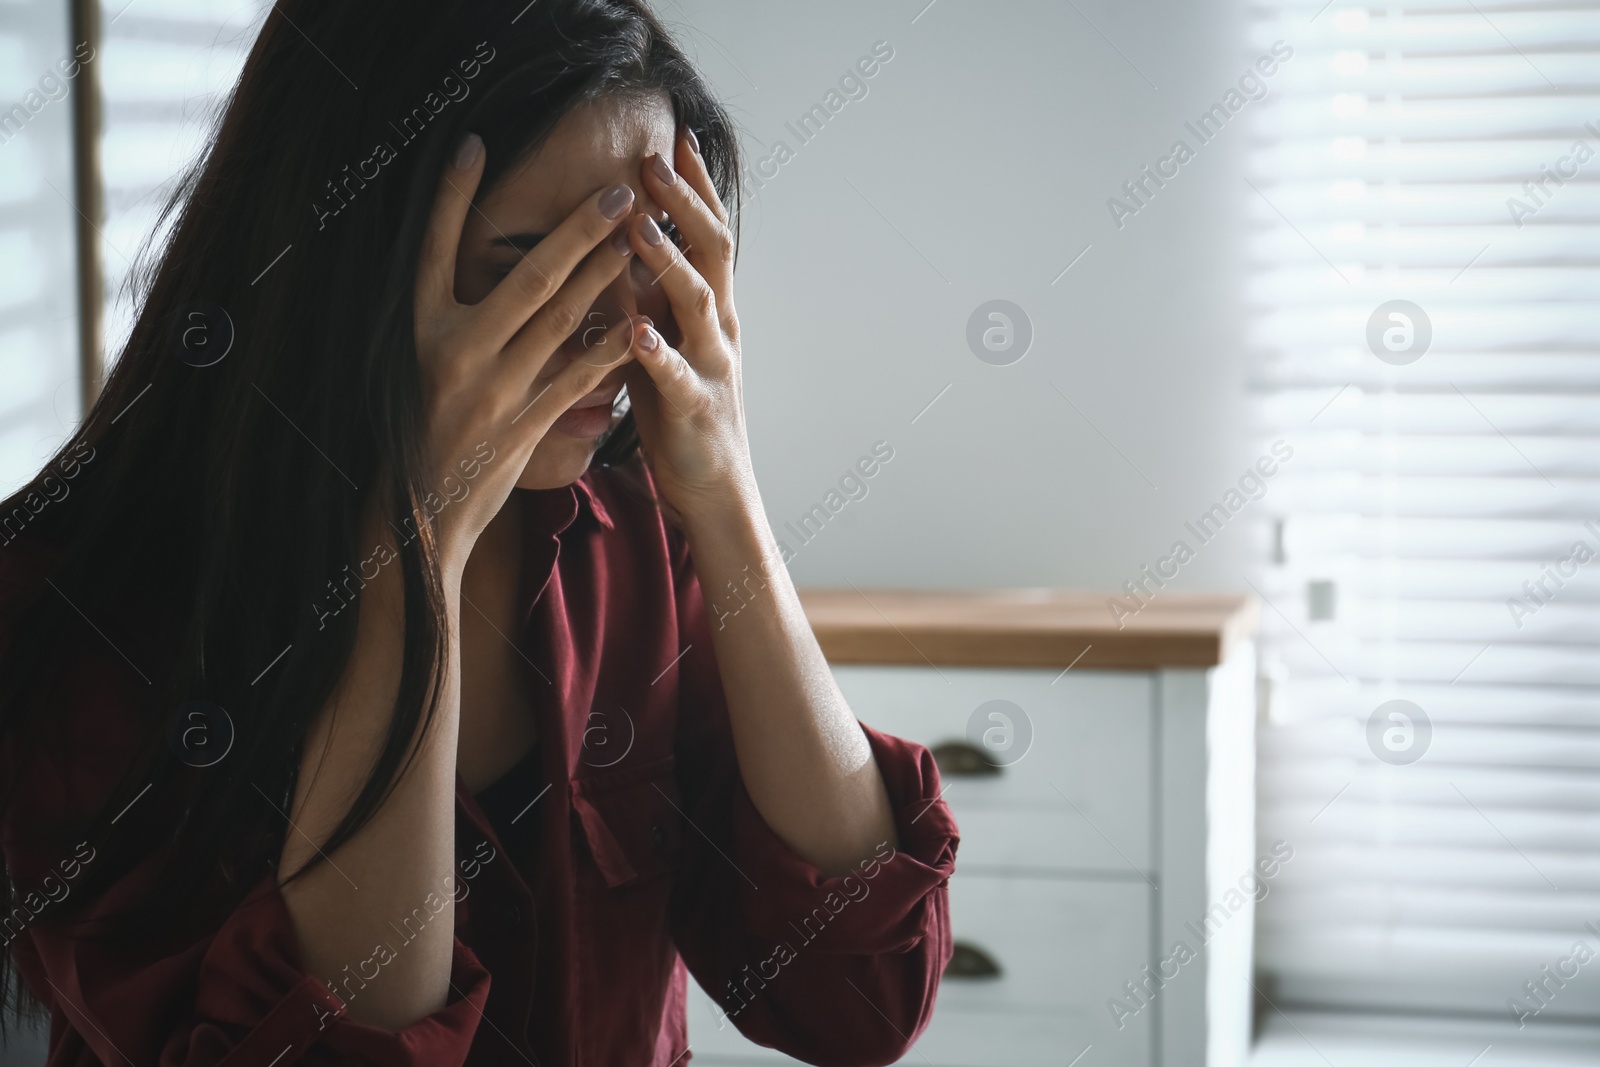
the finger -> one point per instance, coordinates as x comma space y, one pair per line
694, 304
692, 165
547, 400
436, 264
675, 380
565, 313
544, 269
708, 243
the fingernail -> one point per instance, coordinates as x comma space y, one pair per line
694, 142
663, 172
620, 242
651, 232
615, 200
651, 340
467, 151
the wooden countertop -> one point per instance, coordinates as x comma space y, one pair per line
1024, 628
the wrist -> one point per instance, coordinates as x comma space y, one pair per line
717, 513
379, 535
731, 543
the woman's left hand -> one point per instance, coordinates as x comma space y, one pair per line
689, 400
808, 767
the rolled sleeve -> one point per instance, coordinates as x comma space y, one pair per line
253, 983
241, 997
879, 907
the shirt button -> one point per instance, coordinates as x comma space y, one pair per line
658, 837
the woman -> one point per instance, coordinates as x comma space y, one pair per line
360, 701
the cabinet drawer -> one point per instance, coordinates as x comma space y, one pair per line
964, 1039
1063, 947
1078, 798
1059, 943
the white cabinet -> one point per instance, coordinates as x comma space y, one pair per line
1083, 862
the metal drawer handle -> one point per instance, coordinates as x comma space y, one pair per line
970, 961
958, 758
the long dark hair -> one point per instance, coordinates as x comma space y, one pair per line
215, 502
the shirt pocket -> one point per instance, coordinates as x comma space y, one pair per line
631, 820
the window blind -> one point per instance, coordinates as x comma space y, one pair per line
38, 288
1446, 473
167, 67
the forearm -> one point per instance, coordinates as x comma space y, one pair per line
805, 762
357, 898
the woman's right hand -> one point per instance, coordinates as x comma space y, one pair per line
479, 361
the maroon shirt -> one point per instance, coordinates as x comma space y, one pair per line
621, 856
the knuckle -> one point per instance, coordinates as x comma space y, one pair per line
677, 374
598, 364
723, 246
705, 301
564, 318
685, 373
533, 283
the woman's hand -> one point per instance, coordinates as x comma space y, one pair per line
689, 400
479, 361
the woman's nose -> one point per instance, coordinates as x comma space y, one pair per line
620, 297
645, 291
635, 291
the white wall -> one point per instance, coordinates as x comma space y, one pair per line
991, 143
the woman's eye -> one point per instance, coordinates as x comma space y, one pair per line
670, 228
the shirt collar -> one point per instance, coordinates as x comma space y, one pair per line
552, 511
547, 513
590, 501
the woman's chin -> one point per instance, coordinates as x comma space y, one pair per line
557, 460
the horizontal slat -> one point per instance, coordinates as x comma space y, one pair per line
1532, 495
1500, 121
1329, 195
1487, 663
1302, 11
1532, 706
1335, 862
1314, 368
1440, 412
1436, 907
1505, 833
145, 71
1548, 769
1318, 536
1440, 25
1421, 157
1416, 631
